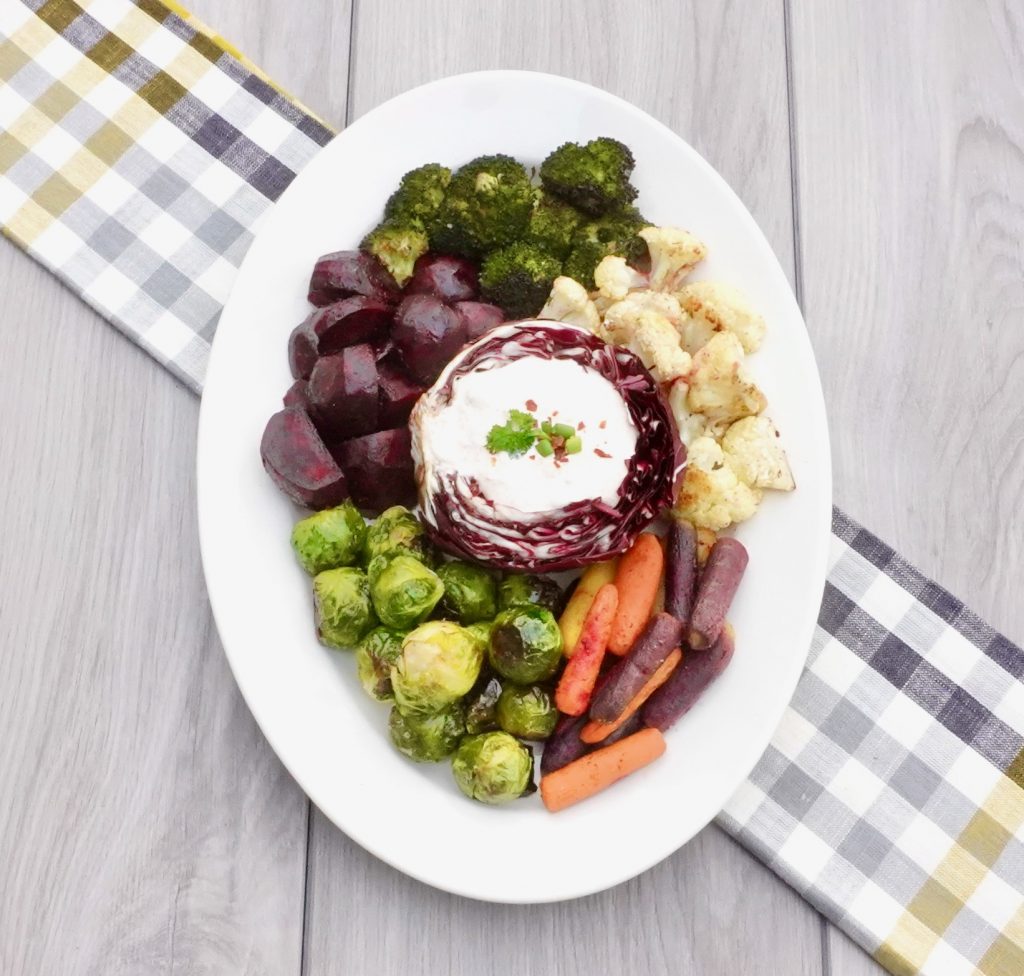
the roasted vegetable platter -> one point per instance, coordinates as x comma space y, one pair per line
525, 426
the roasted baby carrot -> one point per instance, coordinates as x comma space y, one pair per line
600, 769
597, 731
572, 696
637, 582
571, 622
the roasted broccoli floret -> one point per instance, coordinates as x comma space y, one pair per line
419, 194
582, 259
620, 229
519, 278
397, 243
553, 224
487, 206
615, 233
594, 177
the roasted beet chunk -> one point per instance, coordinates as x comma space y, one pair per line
449, 278
345, 273
302, 351
479, 317
398, 393
379, 469
349, 322
297, 395
427, 333
301, 466
343, 393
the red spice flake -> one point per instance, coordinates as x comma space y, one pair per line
581, 426
600, 453
603, 424
531, 405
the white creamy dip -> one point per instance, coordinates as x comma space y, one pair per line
453, 437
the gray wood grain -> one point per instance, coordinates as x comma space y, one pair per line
716, 74
910, 161
145, 825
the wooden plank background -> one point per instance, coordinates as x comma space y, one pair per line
146, 827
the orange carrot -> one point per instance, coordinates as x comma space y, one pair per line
637, 582
576, 610
572, 696
596, 731
600, 769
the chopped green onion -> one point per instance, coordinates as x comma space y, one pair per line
544, 448
564, 430
573, 445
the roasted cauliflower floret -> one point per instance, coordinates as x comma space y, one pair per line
674, 254
615, 279
712, 496
753, 450
719, 385
721, 308
570, 303
690, 425
630, 307
650, 335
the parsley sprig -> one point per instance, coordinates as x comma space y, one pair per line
521, 431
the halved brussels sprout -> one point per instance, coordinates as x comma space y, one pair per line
396, 529
526, 713
482, 704
429, 737
528, 590
376, 652
470, 593
403, 589
328, 539
341, 600
493, 768
439, 663
526, 645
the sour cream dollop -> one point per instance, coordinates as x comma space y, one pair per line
453, 441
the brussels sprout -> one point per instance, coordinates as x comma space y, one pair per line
439, 663
429, 737
397, 529
404, 591
376, 652
527, 713
526, 644
344, 613
328, 539
482, 630
470, 592
493, 767
529, 590
481, 705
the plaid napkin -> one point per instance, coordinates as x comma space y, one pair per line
138, 154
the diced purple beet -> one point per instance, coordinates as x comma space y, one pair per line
449, 278
302, 351
300, 464
343, 273
351, 321
297, 395
427, 333
479, 317
379, 469
343, 393
397, 394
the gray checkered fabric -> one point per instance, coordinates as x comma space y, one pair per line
138, 156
